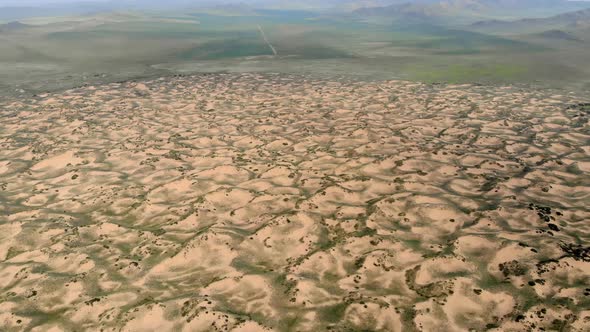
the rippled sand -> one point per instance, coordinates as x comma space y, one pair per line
269, 202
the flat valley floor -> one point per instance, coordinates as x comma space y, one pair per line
261, 202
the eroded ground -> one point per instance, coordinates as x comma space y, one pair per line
269, 202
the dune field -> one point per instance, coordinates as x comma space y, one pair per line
275, 202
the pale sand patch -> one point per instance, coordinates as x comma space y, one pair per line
49, 101
441, 269
141, 87
58, 162
477, 246
478, 309
308, 293
150, 318
206, 258
288, 241
250, 294
4, 166
373, 317
584, 166
251, 327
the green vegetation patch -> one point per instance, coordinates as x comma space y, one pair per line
227, 48
310, 51
451, 41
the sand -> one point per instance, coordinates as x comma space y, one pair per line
250, 202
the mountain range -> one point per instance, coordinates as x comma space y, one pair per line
471, 9
430, 11
569, 21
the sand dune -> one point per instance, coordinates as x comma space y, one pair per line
247, 202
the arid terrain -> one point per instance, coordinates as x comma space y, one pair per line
263, 202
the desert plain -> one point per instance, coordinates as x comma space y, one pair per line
276, 202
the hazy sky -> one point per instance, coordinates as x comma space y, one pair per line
36, 2
41, 2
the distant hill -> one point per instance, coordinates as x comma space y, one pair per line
434, 9
230, 9
557, 35
13, 26
573, 20
421, 11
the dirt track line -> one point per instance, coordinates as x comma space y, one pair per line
274, 51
